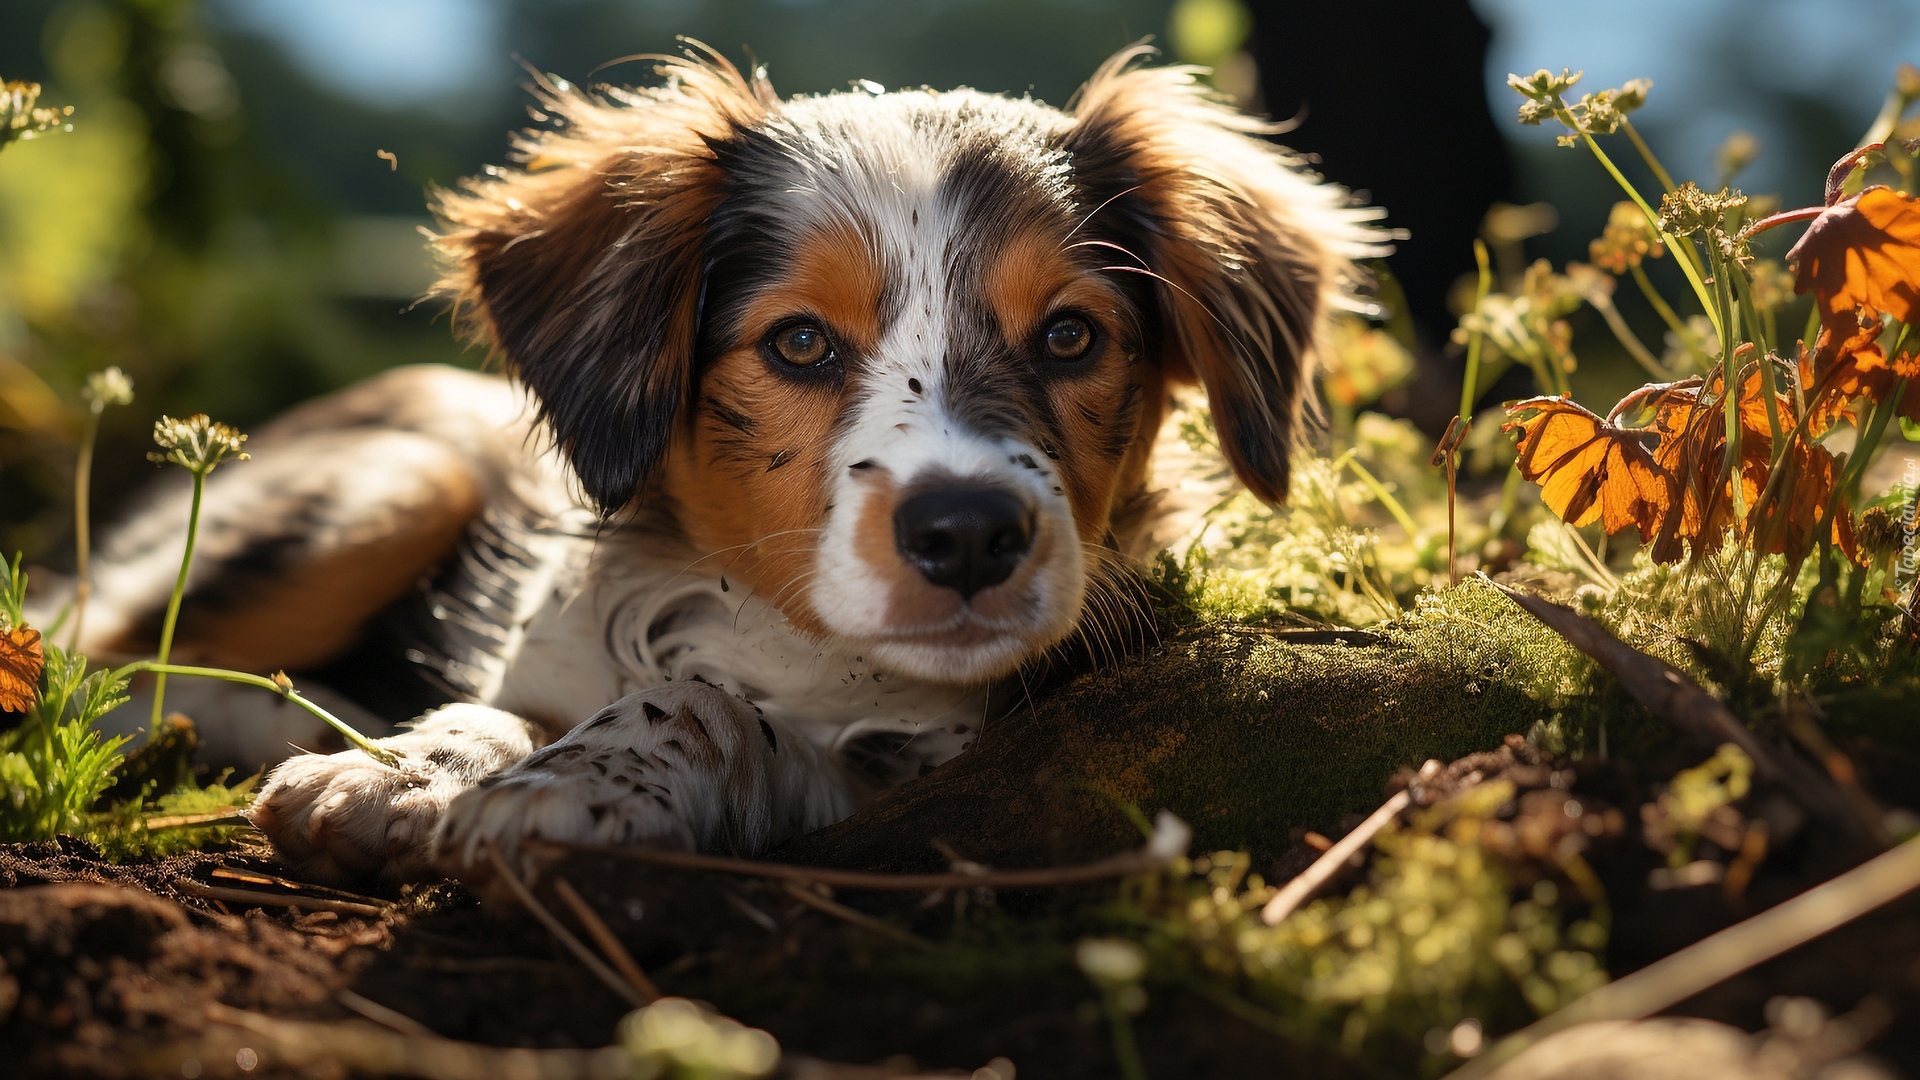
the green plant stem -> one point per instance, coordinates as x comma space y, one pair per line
1729, 385
1470, 389
1126, 1054
1775, 474
1891, 110
1628, 339
354, 738
1681, 254
1380, 492
173, 602
1646, 154
1509, 502
1757, 329
1659, 303
1762, 338
1869, 438
82, 545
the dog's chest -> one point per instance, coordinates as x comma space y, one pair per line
620, 617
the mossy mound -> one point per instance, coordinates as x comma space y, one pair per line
1242, 731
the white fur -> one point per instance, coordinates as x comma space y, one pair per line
686, 764
621, 623
893, 185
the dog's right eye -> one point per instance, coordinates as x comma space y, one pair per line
801, 344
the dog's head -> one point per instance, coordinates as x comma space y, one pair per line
894, 359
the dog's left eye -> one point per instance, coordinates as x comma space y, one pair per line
802, 345
1068, 338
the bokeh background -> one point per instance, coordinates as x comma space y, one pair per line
221, 224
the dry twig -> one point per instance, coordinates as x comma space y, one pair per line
1307, 882
1670, 695
385, 1017
211, 819
1725, 954
602, 935
361, 1047
1170, 839
539, 911
255, 898
858, 918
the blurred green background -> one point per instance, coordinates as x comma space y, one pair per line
220, 225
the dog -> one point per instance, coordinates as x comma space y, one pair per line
825, 415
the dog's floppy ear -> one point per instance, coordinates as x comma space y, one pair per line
582, 266
1248, 250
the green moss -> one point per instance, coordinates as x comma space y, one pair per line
1239, 731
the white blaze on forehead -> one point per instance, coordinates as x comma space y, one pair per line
900, 430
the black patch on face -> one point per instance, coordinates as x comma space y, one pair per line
1003, 187
729, 416
749, 239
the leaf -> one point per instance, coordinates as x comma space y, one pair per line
1782, 518
1861, 370
21, 661
1588, 469
1862, 252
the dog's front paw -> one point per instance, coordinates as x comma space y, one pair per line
346, 817
685, 764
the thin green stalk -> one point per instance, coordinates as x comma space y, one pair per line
1126, 1053
1646, 154
1681, 254
1509, 502
1869, 438
106, 387
1629, 340
284, 689
82, 541
1470, 389
1774, 475
1730, 385
1659, 303
1763, 347
173, 603
1380, 492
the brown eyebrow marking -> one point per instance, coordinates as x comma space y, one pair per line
834, 275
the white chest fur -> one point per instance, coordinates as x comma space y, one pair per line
622, 616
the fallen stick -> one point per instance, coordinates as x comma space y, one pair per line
382, 1015
1670, 695
1307, 882
212, 819
603, 936
254, 898
539, 911
1668, 982
1169, 841
858, 918
361, 1047
257, 877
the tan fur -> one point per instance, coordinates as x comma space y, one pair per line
758, 511
1258, 252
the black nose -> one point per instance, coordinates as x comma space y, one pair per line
963, 539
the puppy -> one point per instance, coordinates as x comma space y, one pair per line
860, 392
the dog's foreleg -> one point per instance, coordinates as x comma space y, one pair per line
346, 817
685, 765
